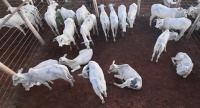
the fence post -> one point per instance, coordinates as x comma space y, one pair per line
95, 7
138, 7
178, 3
25, 20
193, 27
7, 70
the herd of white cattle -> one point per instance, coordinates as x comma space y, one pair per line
169, 19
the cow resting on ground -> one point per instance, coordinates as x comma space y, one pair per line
105, 22
42, 75
122, 15
113, 21
28, 85
94, 72
183, 64
161, 11
89, 23
125, 72
68, 34
174, 24
132, 15
81, 14
84, 57
50, 17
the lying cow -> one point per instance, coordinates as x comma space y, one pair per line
174, 24
125, 72
84, 57
183, 64
43, 75
28, 85
161, 11
94, 72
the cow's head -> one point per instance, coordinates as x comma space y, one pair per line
63, 59
183, 69
113, 67
85, 72
61, 41
173, 35
111, 6
192, 11
123, 26
18, 78
159, 23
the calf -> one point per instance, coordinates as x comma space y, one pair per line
125, 72
43, 75
68, 34
174, 24
89, 23
122, 18
105, 22
161, 44
132, 15
50, 17
94, 72
183, 64
81, 14
161, 11
84, 57
113, 21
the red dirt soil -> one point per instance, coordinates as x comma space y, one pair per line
162, 87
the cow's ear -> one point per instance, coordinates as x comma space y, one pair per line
113, 62
20, 70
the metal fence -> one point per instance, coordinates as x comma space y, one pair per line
17, 50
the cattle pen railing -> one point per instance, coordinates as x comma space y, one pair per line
17, 50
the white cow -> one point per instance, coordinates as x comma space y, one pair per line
161, 11
50, 17
122, 15
105, 22
43, 75
125, 72
66, 13
94, 72
161, 44
84, 57
173, 35
68, 34
81, 14
113, 21
174, 24
89, 23
132, 15
197, 26
28, 85
193, 11
183, 64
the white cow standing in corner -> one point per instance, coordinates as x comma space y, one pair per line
132, 15
105, 22
125, 72
94, 72
81, 14
113, 21
183, 64
122, 18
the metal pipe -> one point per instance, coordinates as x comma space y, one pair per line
193, 27
178, 3
7, 70
138, 7
6, 3
95, 7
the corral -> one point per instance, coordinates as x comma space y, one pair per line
162, 87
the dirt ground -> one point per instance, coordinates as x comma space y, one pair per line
162, 87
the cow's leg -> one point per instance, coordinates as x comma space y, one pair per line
96, 28
77, 32
76, 68
104, 30
153, 55
108, 29
98, 93
105, 93
50, 81
118, 76
116, 30
158, 56
120, 85
46, 84
21, 30
150, 20
90, 38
